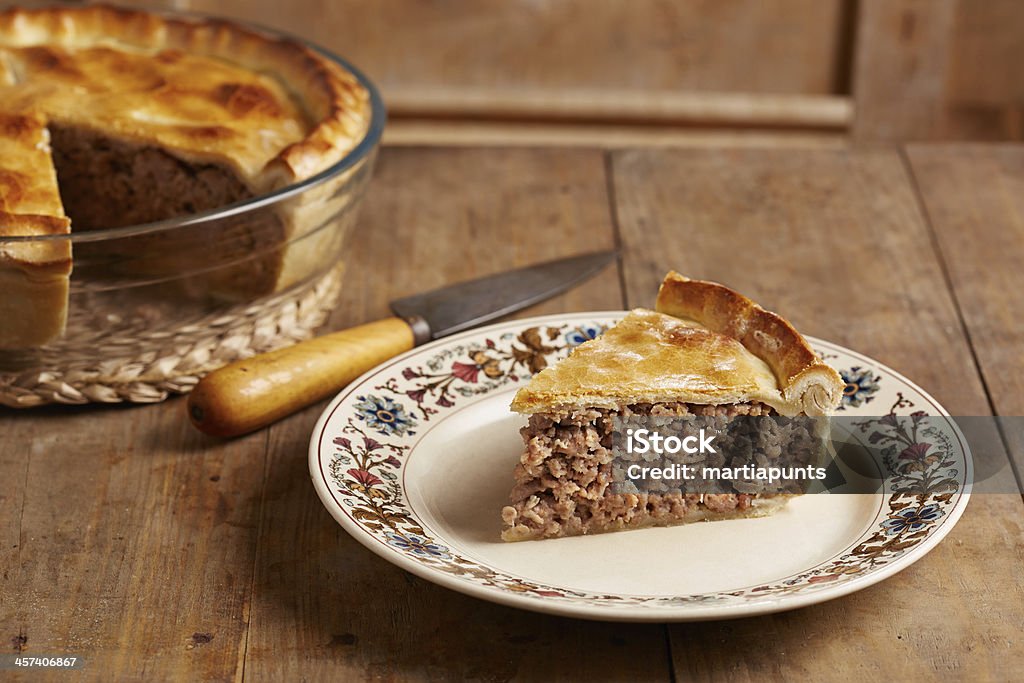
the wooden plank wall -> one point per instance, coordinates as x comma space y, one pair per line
752, 46
939, 70
606, 72
672, 72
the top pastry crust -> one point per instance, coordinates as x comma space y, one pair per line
706, 344
269, 108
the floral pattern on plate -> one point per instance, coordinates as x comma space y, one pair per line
861, 386
480, 367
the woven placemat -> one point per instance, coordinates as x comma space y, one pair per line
162, 363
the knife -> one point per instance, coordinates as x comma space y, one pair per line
252, 393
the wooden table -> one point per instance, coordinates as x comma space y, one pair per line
155, 552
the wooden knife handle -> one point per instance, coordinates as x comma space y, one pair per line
252, 393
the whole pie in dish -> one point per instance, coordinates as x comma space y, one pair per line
705, 351
112, 117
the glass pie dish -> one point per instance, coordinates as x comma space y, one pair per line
152, 308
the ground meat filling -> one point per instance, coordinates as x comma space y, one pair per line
107, 183
564, 480
110, 183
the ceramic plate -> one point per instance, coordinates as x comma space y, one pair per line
415, 460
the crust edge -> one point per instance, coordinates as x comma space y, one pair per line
803, 377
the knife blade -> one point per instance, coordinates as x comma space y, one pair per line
252, 393
468, 304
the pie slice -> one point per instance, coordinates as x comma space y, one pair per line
706, 351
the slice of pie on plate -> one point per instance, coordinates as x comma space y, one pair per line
706, 351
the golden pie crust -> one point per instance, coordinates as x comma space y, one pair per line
705, 344
33, 274
270, 110
209, 89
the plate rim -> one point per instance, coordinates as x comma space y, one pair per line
627, 613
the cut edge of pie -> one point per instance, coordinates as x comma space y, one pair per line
31, 271
706, 350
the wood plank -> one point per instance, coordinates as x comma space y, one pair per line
974, 197
836, 242
751, 46
938, 70
986, 48
133, 545
832, 112
14, 461
461, 132
326, 608
900, 62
